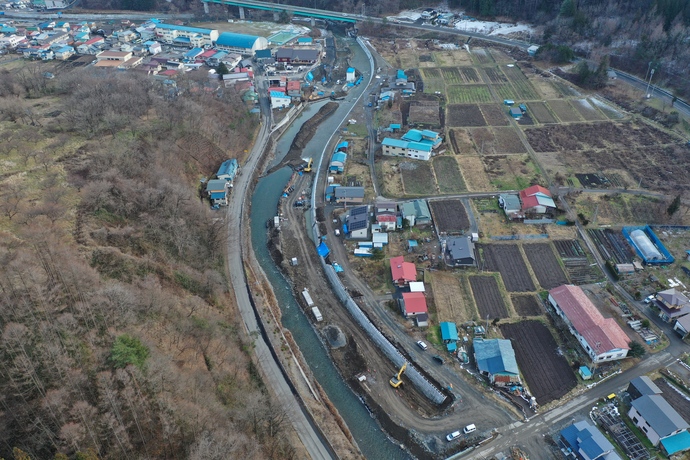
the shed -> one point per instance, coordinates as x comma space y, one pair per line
422, 320
682, 326
416, 212
532, 50
379, 238
449, 332
350, 75
515, 113
411, 244
585, 373
323, 250
641, 386
417, 286
510, 203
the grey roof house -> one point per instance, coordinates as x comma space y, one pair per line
655, 416
642, 386
458, 251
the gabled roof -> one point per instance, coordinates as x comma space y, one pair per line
424, 147
645, 386
349, 192
279, 95
510, 200
339, 157
676, 443
449, 331
215, 185
394, 142
197, 30
401, 270
228, 167
357, 221
263, 54
460, 247
415, 302
495, 356
684, 322
413, 135
588, 441
386, 218
659, 414
418, 208
536, 195
588, 321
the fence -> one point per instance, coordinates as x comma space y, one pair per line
417, 379
537, 236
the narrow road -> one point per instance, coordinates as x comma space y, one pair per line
301, 421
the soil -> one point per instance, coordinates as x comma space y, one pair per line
450, 298
465, 115
547, 372
461, 142
494, 115
507, 260
527, 305
449, 216
545, 265
488, 297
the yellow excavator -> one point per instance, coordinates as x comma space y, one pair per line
310, 162
396, 380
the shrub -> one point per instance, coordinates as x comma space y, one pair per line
128, 350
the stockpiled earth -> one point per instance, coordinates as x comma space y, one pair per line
526, 305
547, 373
488, 297
545, 265
507, 260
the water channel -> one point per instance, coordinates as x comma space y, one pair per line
371, 440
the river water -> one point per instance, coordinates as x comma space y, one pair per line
371, 440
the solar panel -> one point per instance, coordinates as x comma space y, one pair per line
359, 210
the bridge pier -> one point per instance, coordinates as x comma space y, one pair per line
241, 12
205, 7
313, 22
276, 16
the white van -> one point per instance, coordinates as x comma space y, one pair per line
469, 429
452, 436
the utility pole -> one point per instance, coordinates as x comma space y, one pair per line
649, 83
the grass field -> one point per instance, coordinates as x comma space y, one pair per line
468, 94
522, 85
541, 112
511, 172
481, 56
418, 179
450, 298
564, 110
448, 175
473, 170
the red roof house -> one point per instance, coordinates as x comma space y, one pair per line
602, 338
402, 272
387, 221
537, 200
413, 304
277, 89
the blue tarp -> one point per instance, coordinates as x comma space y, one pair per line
322, 249
217, 195
337, 268
310, 76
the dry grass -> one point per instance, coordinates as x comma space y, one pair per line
452, 58
461, 142
496, 224
389, 176
363, 175
545, 88
472, 169
451, 299
561, 232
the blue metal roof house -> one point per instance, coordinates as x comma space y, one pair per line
228, 170
496, 360
586, 441
337, 164
449, 332
305, 41
241, 43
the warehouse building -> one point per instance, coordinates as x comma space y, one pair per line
240, 43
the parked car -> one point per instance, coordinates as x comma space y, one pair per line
469, 429
422, 345
649, 298
452, 436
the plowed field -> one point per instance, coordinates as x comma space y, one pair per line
545, 265
487, 297
507, 260
547, 373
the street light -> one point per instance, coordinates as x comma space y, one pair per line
649, 83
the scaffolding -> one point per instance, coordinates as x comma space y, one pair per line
613, 424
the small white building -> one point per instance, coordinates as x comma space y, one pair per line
350, 75
280, 100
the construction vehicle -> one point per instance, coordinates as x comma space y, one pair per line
396, 380
310, 162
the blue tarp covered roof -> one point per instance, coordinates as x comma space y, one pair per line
449, 331
217, 195
322, 249
676, 443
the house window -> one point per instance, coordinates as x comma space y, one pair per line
644, 428
634, 419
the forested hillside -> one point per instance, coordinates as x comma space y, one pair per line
118, 337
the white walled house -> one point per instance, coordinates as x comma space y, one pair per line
280, 100
602, 338
656, 418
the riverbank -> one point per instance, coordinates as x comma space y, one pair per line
314, 398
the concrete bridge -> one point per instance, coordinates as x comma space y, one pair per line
278, 8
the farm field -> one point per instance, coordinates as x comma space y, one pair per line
450, 298
466, 94
494, 115
472, 168
523, 87
587, 110
541, 112
511, 172
545, 265
482, 56
449, 216
484, 139
424, 113
460, 75
488, 297
507, 141
461, 142
417, 178
494, 75
507, 260
448, 175
625, 209
389, 177
547, 373
460, 115
679, 402
577, 264
526, 305
447, 58
564, 111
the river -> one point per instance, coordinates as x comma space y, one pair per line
371, 440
